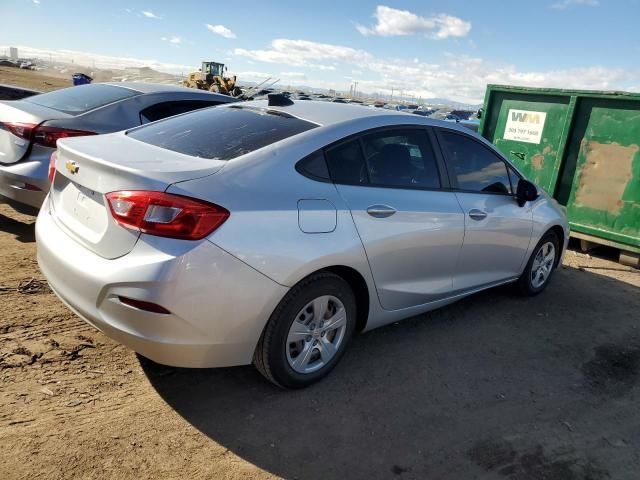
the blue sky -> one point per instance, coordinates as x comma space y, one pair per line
425, 48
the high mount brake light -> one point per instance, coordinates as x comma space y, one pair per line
165, 215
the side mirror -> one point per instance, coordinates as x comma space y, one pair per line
526, 192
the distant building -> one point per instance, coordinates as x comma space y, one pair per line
13, 53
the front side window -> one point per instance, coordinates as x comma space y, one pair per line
400, 158
474, 167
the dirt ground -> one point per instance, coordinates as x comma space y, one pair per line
33, 79
495, 386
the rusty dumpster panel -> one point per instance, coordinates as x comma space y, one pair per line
584, 150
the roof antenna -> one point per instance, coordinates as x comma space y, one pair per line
279, 100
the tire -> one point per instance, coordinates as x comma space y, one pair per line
528, 284
295, 356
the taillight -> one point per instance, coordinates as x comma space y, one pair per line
166, 215
22, 130
52, 166
48, 136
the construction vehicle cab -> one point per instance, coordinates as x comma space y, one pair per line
212, 69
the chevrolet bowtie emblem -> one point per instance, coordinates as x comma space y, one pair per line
72, 167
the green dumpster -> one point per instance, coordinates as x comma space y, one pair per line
583, 148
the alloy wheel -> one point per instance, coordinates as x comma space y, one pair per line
543, 264
316, 334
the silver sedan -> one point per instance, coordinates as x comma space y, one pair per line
271, 232
30, 128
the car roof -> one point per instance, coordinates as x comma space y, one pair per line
144, 87
320, 112
329, 113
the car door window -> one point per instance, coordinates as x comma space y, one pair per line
473, 166
169, 109
400, 158
346, 164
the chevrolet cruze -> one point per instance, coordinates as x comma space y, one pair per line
270, 232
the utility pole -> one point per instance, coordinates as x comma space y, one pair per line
391, 94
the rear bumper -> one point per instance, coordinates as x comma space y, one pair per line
218, 304
17, 182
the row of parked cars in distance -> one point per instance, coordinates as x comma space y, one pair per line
268, 232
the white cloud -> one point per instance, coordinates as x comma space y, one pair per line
304, 53
221, 30
174, 40
293, 74
256, 76
394, 22
36, 2
462, 78
150, 14
563, 4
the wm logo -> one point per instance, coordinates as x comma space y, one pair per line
525, 117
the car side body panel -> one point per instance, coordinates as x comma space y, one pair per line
262, 190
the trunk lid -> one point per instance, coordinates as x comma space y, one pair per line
12, 147
87, 168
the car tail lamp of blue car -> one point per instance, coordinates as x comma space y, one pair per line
166, 215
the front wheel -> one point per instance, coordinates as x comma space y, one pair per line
541, 265
308, 332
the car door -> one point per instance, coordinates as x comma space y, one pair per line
497, 229
411, 228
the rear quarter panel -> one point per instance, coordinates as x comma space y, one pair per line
262, 194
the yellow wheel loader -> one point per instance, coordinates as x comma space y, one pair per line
212, 77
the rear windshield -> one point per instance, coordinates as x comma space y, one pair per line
81, 99
221, 133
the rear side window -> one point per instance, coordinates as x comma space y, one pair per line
314, 166
221, 133
346, 164
400, 158
474, 167
169, 109
81, 99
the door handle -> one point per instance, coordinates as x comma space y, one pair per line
476, 214
381, 211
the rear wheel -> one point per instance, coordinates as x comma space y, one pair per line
541, 265
308, 332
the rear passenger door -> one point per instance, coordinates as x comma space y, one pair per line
497, 230
411, 228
